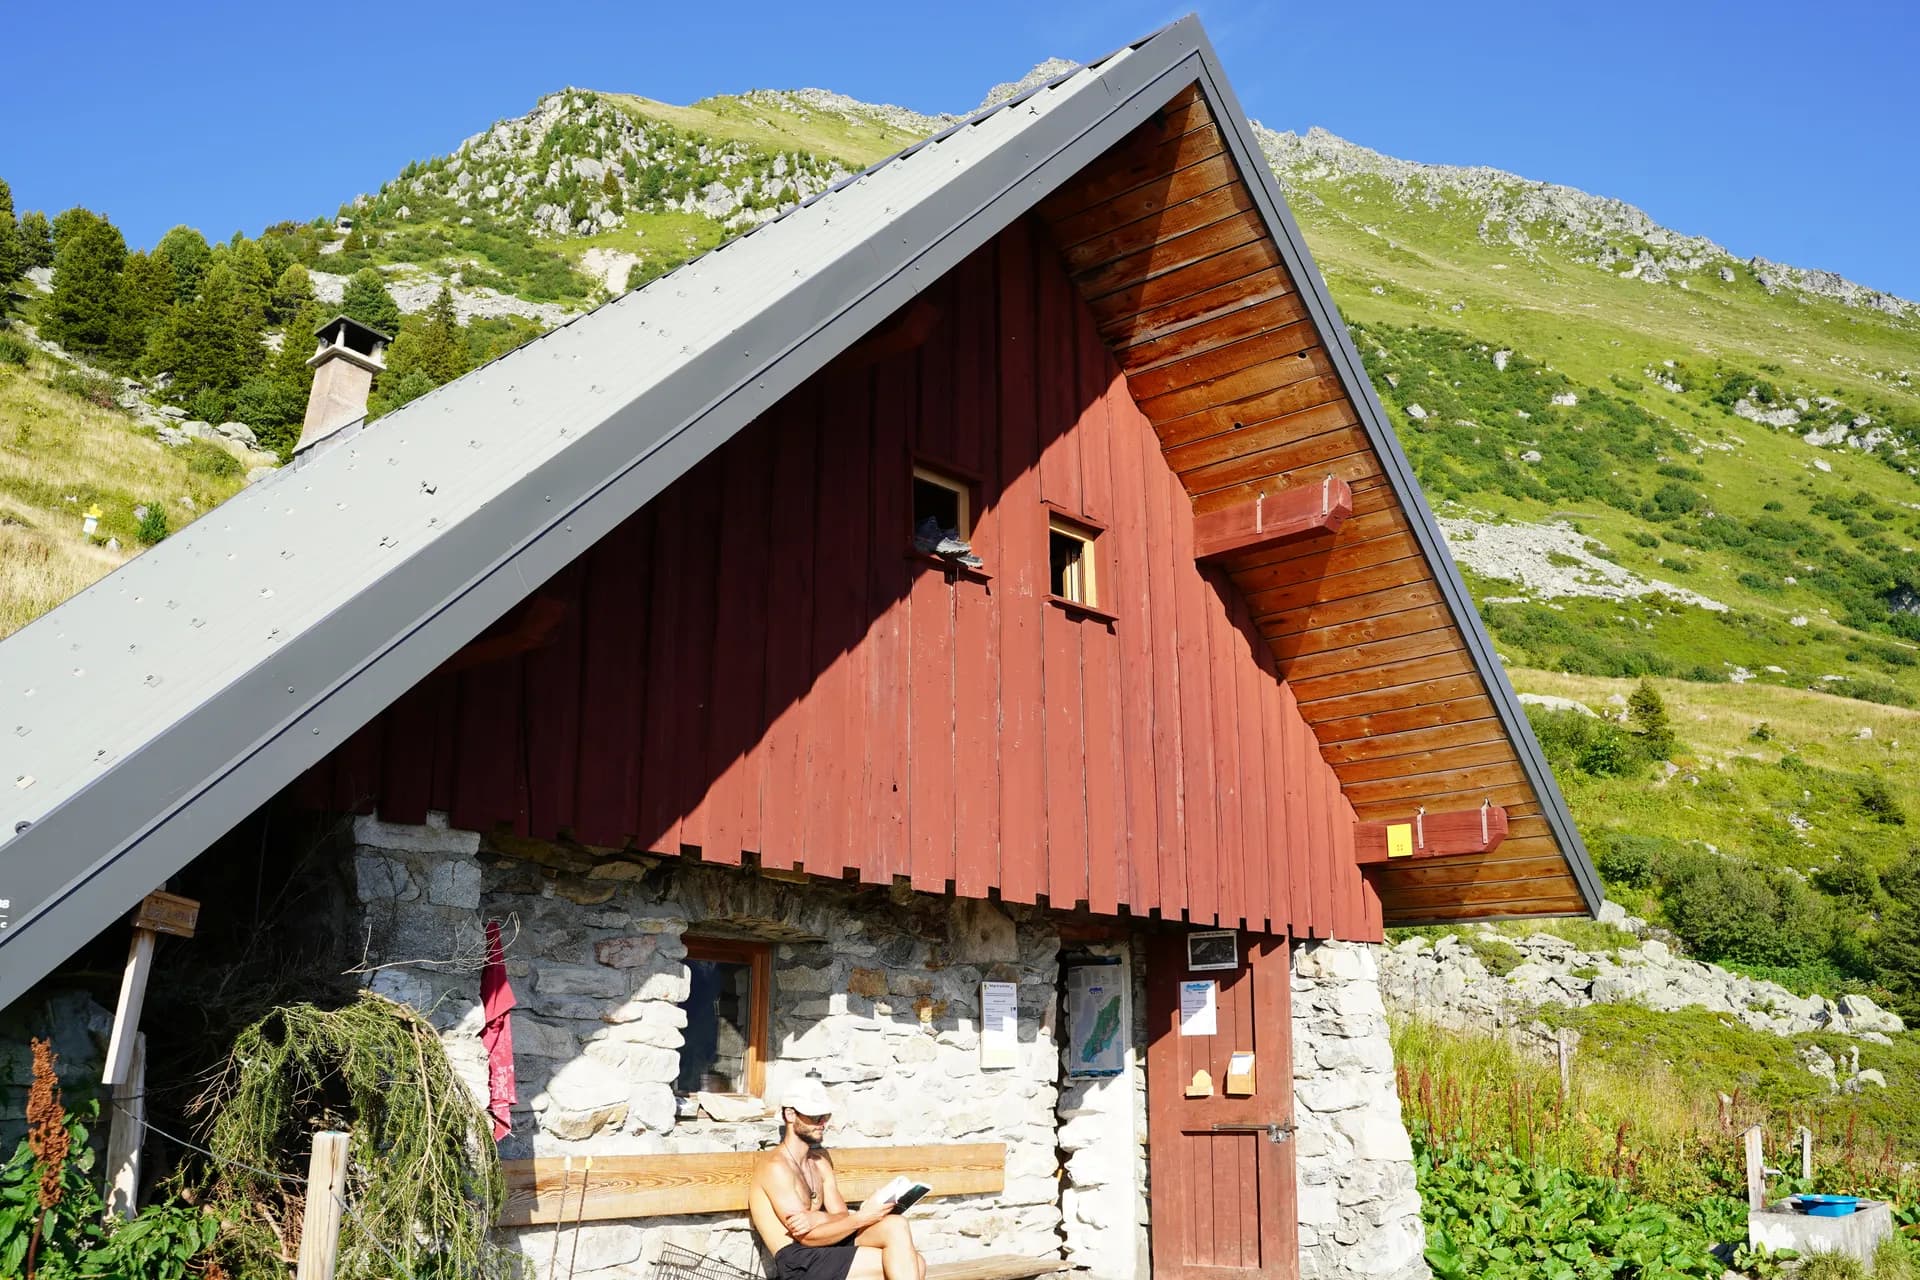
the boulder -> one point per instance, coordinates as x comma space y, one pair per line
238, 432
1863, 1014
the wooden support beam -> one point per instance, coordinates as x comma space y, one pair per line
157, 913
1430, 835
1272, 520
716, 1182
125, 1129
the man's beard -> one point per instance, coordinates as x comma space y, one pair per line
814, 1140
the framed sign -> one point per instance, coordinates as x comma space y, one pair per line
1213, 949
1096, 1018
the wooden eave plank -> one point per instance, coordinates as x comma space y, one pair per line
1374, 524
1278, 365
1260, 586
1454, 755
1386, 676
1147, 234
1451, 733
1317, 614
1217, 334
1206, 353
1441, 777
1368, 581
1403, 898
1321, 438
1148, 152
1313, 383
1467, 869
1127, 331
1075, 231
1221, 486
1402, 622
1372, 653
1189, 281
1385, 725
1164, 257
1428, 689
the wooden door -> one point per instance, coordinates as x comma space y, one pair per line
1222, 1193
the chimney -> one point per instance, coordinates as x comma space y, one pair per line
350, 354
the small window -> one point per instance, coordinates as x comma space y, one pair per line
1071, 561
725, 1050
943, 517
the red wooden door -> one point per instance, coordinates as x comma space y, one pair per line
1223, 1205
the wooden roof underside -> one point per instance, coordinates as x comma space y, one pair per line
1165, 242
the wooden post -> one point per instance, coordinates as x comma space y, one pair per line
128, 1125
326, 1189
1566, 1063
1756, 1172
1806, 1153
157, 913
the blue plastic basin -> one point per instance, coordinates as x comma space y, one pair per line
1828, 1206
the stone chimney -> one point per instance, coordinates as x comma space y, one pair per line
350, 354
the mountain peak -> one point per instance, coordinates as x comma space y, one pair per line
1050, 69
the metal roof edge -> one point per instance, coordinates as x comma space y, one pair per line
1272, 203
163, 803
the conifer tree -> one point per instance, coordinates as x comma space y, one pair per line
433, 344
146, 284
188, 252
366, 299
10, 266
36, 241
1649, 715
297, 347
87, 313
252, 276
213, 342
292, 291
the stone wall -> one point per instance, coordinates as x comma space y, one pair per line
1359, 1208
877, 995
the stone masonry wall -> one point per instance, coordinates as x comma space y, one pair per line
1103, 1127
1359, 1208
878, 996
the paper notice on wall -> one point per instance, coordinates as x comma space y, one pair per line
999, 1024
1199, 1008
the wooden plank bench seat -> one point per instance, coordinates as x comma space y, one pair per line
661, 1185
1003, 1266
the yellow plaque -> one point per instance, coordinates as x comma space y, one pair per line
1400, 840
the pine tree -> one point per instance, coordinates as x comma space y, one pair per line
433, 344
10, 253
366, 299
1896, 951
87, 312
146, 284
188, 252
1649, 716
213, 342
252, 276
292, 291
36, 240
297, 347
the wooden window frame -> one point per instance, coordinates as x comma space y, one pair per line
758, 957
947, 478
1087, 533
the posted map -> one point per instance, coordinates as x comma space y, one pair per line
1096, 1030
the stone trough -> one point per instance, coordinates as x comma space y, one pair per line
1857, 1235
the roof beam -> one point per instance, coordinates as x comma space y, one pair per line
1303, 511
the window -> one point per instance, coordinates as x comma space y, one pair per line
944, 500
725, 1050
1071, 562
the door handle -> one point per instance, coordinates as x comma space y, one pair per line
1275, 1132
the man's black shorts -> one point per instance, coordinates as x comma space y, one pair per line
814, 1262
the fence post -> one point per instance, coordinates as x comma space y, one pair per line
320, 1225
1806, 1153
1756, 1172
124, 1132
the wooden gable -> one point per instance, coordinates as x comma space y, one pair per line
1194, 296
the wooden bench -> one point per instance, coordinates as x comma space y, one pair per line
675, 1184
661, 1185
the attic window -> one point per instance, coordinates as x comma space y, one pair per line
943, 516
1071, 562
724, 1049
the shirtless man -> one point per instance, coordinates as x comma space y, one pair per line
797, 1208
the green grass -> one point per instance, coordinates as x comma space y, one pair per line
856, 143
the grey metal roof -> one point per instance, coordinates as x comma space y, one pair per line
141, 719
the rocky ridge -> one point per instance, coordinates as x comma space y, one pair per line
1600, 230
1447, 981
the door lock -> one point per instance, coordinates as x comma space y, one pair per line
1275, 1132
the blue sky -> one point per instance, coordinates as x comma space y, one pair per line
1785, 130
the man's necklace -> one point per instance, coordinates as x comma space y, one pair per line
799, 1167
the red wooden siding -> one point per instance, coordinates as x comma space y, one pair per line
755, 664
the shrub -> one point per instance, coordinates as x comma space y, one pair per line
153, 525
95, 389
208, 405
14, 349
1724, 909
1878, 802
1831, 1266
205, 458
1627, 860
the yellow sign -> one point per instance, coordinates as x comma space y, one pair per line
1400, 840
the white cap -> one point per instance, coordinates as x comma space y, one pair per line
807, 1096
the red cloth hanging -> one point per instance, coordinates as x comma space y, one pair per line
496, 999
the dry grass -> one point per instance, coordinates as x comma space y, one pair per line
60, 454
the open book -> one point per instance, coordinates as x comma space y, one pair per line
903, 1192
